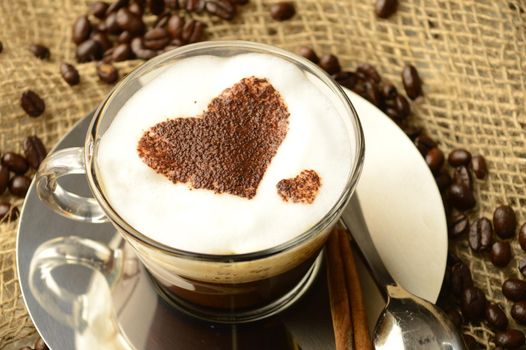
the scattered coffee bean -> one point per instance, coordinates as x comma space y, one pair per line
509, 339
175, 26
124, 37
368, 72
8, 212
500, 253
461, 197
330, 64
435, 159
402, 106
4, 178
89, 50
460, 278
455, 317
175, 43
69, 73
480, 235
522, 267
470, 342
195, 5
522, 237
19, 185
478, 163
107, 73
35, 151
309, 54
156, 6
162, 20
103, 40
372, 93
115, 6
388, 90
518, 312
461, 175
121, 52
514, 289
424, 143
98, 9
136, 9
412, 82
504, 221
496, 317
458, 157
225, 9
111, 25
443, 180
282, 11
193, 31
156, 39
473, 304
15, 162
40, 345
1, 47
32, 104
346, 79
140, 51
40, 51
130, 22
459, 226
410, 130
81, 29
385, 8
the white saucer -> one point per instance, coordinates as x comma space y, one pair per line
401, 205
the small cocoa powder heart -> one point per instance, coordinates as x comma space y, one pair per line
301, 189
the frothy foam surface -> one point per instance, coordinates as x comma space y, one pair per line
201, 220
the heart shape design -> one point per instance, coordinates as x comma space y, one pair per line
302, 188
228, 148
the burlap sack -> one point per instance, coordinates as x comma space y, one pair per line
470, 54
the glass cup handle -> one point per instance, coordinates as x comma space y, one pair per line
66, 162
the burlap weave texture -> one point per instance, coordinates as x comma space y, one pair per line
471, 56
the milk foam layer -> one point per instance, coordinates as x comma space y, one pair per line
202, 221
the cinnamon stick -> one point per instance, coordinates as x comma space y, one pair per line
338, 296
361, 336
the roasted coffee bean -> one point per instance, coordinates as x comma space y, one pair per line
504, 221
496, 317
162, 20
156, 39
514, 289
122, 52
402, 106
81, 29
412, 82
174, 44
226, 10
193, 31
40, 51
522, 237
346, 79
521, 266
478, 163
116, 6
8, 212
480, 235
111, 25
500, 253
98, 9
473, 304
107, 73
32, 103
124, 38
175, 26
89, 50
330, 64
435, 159
15, 162
518, 312
410, 130
35, 151
282, 11
137, 9
459, 226
461, 175
40, 345
199, 5
372, 93
19, 185
103, 40
388, 90
461, 197
130, 22
509, 339
369, 71
424, 143
69, 73
1, 47
4, 178
460, 278
455, 317
156, 7
458, 157
443, 180
108, 56
309, 54
140, 51
385, 8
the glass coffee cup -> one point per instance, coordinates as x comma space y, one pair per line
217, 287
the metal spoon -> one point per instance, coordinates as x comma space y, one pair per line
407, 321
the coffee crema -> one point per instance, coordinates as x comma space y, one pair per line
226, 155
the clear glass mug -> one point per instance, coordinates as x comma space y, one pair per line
221, 288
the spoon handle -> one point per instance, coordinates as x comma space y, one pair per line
354, 220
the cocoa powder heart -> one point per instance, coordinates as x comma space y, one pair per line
300, 189
228, 148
